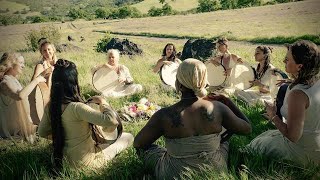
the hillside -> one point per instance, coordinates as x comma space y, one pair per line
289, 19
179, 5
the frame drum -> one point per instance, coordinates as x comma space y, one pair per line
168, 74
105, 80
100, 135
216, 75
240, 76
38, 100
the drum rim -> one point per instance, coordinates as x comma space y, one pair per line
161, 74
225, 77
93, 77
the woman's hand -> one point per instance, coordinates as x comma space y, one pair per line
283, 81
256, 83
167, 62
122, 79
271, 110
220, 97
97, 100
227, 72
40, 79
215, 62
239, 61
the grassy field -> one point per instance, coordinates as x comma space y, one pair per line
20, 160
179, 5
14, 7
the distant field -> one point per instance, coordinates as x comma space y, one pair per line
12, 6
179, 5
289, 19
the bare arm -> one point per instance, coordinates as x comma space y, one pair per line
8, 89
157, 67
232, 122
237, 58
45, 72
37, 71
150, 132
298, 102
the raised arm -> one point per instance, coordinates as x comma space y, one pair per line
8, 88
150, 132
237, 58
106, 117
157, 67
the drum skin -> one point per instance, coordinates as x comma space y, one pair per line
216, 75
168, 74
38, 100
105, 80
240, 76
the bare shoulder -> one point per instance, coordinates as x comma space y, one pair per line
297, 95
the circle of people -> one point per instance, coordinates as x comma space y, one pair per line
196, 129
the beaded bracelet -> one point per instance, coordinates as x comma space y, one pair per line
273, 117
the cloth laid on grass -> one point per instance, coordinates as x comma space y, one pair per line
307, 148
182, 154
144, 109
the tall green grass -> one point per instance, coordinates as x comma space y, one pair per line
21, 160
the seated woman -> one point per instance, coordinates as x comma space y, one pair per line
67, 120
297, 138
224, 57
15, 117
264, 85
169, 55
48, 59
191, 128
124, 76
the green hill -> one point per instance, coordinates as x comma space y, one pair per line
179, 5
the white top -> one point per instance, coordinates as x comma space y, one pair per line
310, 138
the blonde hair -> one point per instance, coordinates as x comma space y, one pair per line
115, 52
7, 61
192, 74
42, 43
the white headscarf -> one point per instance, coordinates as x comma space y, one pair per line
192, 74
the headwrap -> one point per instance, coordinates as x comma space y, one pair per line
192, 74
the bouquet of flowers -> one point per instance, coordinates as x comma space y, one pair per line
143, 109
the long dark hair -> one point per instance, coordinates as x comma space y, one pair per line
306, 53
267, 52
174, 52
65, 89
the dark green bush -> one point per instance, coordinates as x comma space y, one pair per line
208, 5
11, 19
164, 11
49, 32
102, 43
